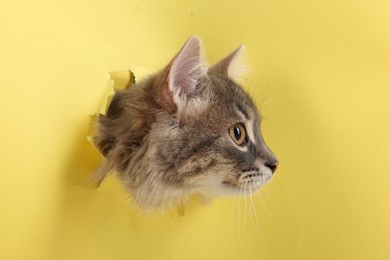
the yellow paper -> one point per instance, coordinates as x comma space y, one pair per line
320, 73
122, 79
119, 80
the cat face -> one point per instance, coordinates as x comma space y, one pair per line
215, 146
221, 150
245, 163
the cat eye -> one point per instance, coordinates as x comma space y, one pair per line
237, 133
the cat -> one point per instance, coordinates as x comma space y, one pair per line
188, 129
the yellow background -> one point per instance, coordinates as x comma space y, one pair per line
320, 74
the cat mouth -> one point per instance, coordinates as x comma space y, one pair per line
250, 182
253, 180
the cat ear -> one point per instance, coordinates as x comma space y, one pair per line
233, 65
187, 68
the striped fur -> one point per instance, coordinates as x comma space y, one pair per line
167, 137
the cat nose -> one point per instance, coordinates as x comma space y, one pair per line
272, 165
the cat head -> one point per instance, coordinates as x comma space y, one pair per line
211, 138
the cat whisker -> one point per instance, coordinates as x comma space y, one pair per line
239, 214
243, 230
268, 195
266, 102
234, 204
252, 87
252, 205
257, 220
249, 204
267, 212
245, 212
263, 89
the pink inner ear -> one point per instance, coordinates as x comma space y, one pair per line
187, 69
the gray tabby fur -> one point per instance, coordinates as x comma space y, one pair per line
168, 136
